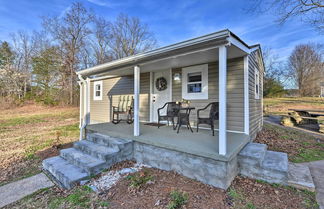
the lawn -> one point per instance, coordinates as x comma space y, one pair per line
300, 146
32, 133
281, 105
153, 188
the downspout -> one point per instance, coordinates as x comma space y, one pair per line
83, 118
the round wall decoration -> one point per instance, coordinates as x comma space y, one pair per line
161, 84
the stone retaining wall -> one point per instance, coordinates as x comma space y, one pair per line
216, 173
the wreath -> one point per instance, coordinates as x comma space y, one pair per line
161, 84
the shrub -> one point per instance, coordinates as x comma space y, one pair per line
139, 179
178, 199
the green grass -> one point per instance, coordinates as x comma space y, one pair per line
303, 147
178, 199
22, 120
68, 130
78, 199
308, 155
280, 106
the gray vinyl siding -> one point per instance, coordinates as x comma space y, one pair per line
113, 88
255, 105
100, 111
235, 93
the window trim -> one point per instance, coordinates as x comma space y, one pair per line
95, 97
203, 69
257, 83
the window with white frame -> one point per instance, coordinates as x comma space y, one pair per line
257, 83
195, 82
97, 90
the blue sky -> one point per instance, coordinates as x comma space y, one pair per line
171, 21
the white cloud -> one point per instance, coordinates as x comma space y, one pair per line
103, 3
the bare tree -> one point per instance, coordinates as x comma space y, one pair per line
24, 49
130, 36
306, 68
309, 11
100, 44
71, 31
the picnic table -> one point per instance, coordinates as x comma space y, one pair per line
312, 113
302, 116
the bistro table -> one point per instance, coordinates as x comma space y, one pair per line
184, 118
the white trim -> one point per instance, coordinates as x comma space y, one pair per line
137, 78
239, 44
256, 83
131, 59
246, 96
216, 129
170, 84
95, 97
103, 77
222, 81
151, 97
203, 69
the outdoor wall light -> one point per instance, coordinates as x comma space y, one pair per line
177, 77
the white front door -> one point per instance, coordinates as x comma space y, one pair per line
161, 92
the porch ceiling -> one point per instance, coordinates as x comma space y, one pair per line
200, 144
181, 60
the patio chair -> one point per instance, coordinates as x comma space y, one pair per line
172, 110
213, 115
124, 107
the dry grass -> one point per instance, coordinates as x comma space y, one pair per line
29, 130
281, 105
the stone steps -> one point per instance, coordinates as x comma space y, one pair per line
256, 162
87, 162
96, 150
63, 172
86, 158
107, 140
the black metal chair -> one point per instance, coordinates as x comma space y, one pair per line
172, 110
213, 115
125, 107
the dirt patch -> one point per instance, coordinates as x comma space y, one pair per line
53, 151
247, 193
155, 193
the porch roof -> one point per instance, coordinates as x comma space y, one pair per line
164, 56
200, 144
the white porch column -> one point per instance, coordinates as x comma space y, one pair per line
222, 76
136, 100
87, 102
81, 104
246, 96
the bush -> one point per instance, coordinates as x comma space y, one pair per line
178, 199
139, 179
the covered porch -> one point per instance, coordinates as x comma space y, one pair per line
200, 144
225, 83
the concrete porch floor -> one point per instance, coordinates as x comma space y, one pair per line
200, 144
